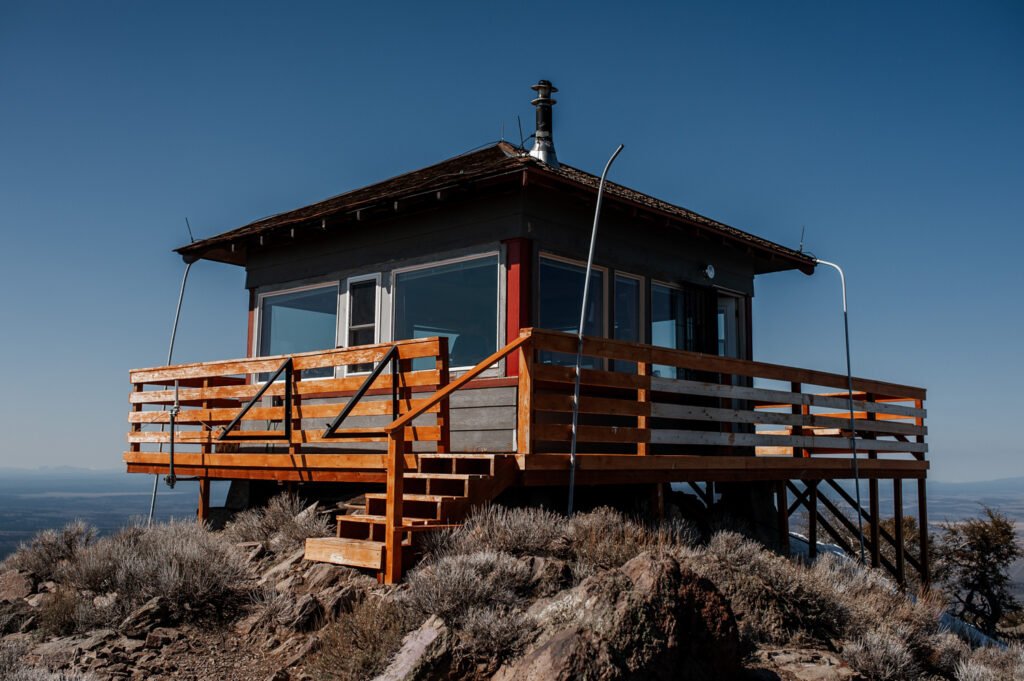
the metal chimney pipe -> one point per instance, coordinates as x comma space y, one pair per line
543, 141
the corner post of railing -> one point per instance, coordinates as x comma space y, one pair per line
643, 397
524, 410
443, 366
393, 511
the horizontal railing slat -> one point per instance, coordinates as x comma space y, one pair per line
411, 349
225, 415
309, 388
722, 415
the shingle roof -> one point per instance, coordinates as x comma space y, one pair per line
489, 162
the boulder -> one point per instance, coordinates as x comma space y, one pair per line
154, 613
303, 615
650, 619
422, 652
277, 572
14, 586
161, 636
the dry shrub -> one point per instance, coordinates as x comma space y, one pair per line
44, 555
453, 585
948, 651
774, 599
516, 531
192, 568
359, 645
605, 539
488, 637
993, 664
283, 525
968, 670
271, 605
883, 655
12, 668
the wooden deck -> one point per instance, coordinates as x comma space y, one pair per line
647, 415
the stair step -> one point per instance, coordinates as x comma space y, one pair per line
415, 497
445, 476
351, 552
380, 520
434, 455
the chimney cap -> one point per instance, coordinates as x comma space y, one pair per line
543, 142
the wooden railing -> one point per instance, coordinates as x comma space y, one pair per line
214, 395
641, 399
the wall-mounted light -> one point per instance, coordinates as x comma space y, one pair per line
709, 271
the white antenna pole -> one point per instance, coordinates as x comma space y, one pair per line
579, 329
849, 387
170, 355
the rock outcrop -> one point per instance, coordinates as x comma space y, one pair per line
650, 619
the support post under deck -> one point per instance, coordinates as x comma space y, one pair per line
922, 522
897, 503
782, 506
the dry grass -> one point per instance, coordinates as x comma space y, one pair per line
992, 664
883, 655
283, 525
359, 645
591, 542
49, 550
181, 561
775, 600
454, 585
487, 637
13, 669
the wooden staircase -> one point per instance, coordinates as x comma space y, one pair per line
436, 495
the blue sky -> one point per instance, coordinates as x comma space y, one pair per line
891, 131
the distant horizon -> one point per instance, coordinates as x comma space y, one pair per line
121, 471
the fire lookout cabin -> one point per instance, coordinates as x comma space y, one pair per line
416, 339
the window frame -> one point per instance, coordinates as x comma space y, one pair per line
258, 317
642, 331
582, 264
501, 302
345, 319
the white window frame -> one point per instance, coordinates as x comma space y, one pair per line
263, 295
345, 318
582, 264
500, 303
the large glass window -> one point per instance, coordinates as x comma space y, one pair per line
299, 321
671, 325
561, 293
456, 300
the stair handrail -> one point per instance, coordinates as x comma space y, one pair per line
393, 519
390, 357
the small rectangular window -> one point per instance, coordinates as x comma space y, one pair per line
672, 324
299, 321
362, 316
627, 313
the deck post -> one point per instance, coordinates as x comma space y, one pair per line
799, 410
444, 422
393, 508
643, 421
897, 503
812, 520
203, 509
524, 410
922, 522
782, 507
